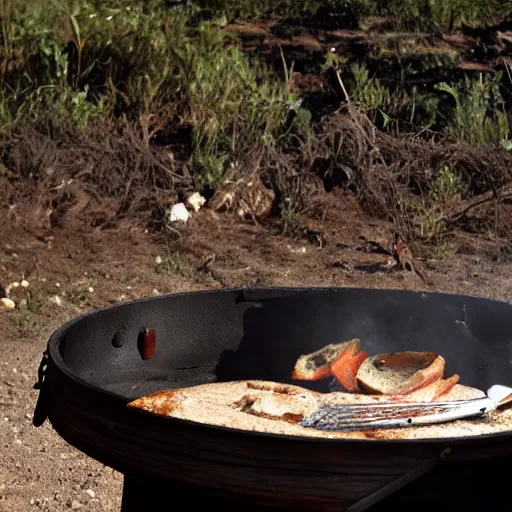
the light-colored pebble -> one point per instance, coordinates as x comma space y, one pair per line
56, 300
196, 200
7, 304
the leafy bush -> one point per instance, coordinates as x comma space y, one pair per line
443, 14
398, 108
89, 59
349, 11
246, 9
479, 114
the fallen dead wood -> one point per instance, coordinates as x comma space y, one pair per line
489, 196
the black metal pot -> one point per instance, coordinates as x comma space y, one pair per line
94, 366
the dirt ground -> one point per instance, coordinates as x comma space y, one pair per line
70, 272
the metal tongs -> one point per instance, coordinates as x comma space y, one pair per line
404, 414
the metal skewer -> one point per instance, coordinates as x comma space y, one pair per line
368, 416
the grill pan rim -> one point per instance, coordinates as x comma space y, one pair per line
64, 368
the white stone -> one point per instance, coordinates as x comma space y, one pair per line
56, 300
196, 200
179, 213
7, 304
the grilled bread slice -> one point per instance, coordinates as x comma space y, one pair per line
337, 360
403, 373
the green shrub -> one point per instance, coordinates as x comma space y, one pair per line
443, 14
479, 114
80, 60
446, 185
246, 9
346, 10
404, 110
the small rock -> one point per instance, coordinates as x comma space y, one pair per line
32, 501
91, 493
25, 283
7, 304
179, 213
301, 250
90, 289
14, 370
75, 505
196, 200
56, 300
18, 441
158, 260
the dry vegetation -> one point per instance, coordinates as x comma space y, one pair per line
113, 109
328, 122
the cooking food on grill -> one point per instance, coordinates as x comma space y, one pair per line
270, 407
432, 391
402, 373
383, 393
341, 360
405, 414
398, 373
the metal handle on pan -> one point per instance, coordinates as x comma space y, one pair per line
397, 484
41, 409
